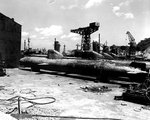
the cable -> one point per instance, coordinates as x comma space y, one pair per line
37, 103
30, 100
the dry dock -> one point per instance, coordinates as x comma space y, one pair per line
71, 99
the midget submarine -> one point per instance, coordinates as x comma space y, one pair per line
103, 70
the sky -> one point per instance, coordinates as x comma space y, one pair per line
45, 20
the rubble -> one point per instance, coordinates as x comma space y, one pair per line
94, 89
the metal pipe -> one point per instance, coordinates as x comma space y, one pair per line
19, 107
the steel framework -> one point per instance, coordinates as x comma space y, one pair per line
85, 32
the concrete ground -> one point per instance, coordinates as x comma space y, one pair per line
71, 99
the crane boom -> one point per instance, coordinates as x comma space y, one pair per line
130, 37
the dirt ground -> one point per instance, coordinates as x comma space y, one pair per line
71, 99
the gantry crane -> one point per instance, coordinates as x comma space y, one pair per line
132, 43
85, 32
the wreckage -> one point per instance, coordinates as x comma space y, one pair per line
103, 70
138, 93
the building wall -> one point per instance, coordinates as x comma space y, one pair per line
10, 41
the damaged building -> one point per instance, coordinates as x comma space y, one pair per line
10, 41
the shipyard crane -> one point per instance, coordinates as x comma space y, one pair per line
85, 32
132, 43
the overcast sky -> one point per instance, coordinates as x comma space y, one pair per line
44, 20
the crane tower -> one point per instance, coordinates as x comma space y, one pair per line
132, 43
85, 32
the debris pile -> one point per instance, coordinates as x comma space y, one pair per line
138, 94
99, 89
